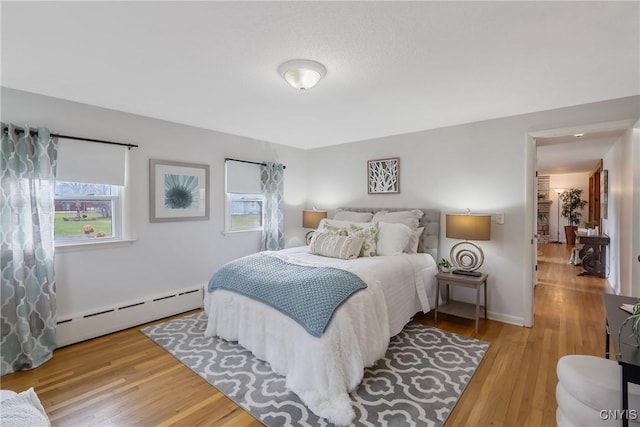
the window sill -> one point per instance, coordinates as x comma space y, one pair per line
94, 244
231, 232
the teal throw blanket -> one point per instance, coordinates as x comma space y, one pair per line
308, 295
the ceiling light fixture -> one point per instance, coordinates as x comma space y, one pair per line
578, 135
302, 73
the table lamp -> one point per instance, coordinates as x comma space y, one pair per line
466, 256
311, 219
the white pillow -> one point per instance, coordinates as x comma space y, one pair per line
353, 216
393, 238
409, 218
414, 241
343, 247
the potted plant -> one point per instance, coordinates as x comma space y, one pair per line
444, 265
635, 323
571, 206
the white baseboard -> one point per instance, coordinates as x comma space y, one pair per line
80, 327
505, 318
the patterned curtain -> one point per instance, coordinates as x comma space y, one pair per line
272, 179
28, 311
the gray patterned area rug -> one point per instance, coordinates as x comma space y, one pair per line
417, 383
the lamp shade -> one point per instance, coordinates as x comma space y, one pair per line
311, 219
468, 227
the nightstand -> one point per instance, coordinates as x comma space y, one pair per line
458, 308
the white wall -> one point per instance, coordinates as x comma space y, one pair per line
619, 188
447, 169
483, 166
566, 181
634, 142
622, 163
165, 256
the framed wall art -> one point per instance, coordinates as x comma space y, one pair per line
178, 191
383, 176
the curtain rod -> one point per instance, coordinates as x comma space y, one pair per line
247, 161
77, 138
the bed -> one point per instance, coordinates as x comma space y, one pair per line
323, 369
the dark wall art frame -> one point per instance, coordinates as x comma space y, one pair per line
383, 176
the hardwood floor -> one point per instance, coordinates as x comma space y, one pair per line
515, 384
124, 379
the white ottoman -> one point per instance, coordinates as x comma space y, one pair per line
589, 385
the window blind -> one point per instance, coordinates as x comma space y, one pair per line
243, 178
91, 163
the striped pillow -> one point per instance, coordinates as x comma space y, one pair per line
343, 247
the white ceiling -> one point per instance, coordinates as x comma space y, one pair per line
572, 154
393, 67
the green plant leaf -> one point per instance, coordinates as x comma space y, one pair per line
572, 204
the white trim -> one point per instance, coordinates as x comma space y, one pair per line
505, 318
232, 232
530, 247
105, 320
92, 244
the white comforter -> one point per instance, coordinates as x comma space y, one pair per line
322, 371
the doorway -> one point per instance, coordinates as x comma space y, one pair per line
558, 151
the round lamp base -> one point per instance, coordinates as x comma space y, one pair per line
467, 257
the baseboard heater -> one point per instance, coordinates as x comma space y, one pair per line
73, 329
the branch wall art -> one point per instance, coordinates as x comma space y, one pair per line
383, 176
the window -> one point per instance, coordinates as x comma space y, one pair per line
244, 200
90, 193
86, 211
245, 212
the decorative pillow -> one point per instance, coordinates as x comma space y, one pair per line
414, 241
23, 409
409, 218
338, 227
370, 235
393, 238
343, 247
336, 231
340, 223
353, 216
327, 226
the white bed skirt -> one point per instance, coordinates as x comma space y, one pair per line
322, 371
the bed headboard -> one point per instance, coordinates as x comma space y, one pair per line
429, 242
